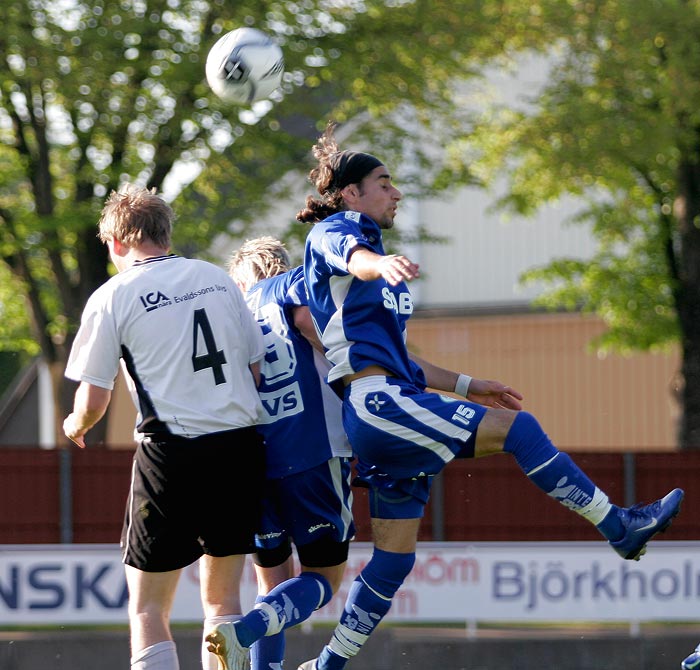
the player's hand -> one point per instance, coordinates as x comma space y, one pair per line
72, 432
396, 269
494, 394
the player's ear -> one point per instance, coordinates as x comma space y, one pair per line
119, 248
350, 193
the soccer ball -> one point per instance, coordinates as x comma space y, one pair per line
244, 65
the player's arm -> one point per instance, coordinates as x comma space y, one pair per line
368, 265
305, 325
89, 406
255, 371
481, 391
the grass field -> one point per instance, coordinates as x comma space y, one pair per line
653, 646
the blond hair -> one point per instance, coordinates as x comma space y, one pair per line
258, 259
135, 215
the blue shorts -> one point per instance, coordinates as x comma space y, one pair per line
314, 506
403, 436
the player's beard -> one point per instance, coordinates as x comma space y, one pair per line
387, 222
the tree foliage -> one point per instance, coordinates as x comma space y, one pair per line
94, 93
616, 124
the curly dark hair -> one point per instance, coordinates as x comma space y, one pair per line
335, 170
322, 178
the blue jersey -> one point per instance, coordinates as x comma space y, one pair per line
361, 323
301, 419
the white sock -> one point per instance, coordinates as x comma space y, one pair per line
159, 656
597, 509
209, 661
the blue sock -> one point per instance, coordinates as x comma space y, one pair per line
288, 604
611, 526
558, 476
528, 443
367, 603
267, 653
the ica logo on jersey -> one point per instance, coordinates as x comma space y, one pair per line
154, 300
401, 303
282, 403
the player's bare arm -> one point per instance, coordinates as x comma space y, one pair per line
482, 391
89, 407
255, 371
305, 325
494, 394
367, 265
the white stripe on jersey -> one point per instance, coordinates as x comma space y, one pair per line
337, 345
361, 387
332, 410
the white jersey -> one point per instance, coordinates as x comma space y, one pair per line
185, 337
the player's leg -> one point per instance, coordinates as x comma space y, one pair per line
385, 422
156, 546
316, 512
520, 434
268, 578
151, 596
288, 604
272, 567
266, 652
322, 524
332, 573
219, 584
232, 478
372, 592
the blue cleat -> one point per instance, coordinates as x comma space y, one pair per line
642, 522
693, 661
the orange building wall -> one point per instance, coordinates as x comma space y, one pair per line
584, 402
122, 417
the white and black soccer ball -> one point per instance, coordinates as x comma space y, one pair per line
244, 65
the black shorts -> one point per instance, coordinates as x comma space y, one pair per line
190, 497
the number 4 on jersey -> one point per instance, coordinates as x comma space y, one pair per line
214, 358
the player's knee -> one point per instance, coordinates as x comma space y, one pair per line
387, 571
324, 586
333, 574
528, 443
524, 428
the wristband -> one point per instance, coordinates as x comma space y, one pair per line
462, 385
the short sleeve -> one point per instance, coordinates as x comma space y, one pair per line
250, 327
94, 356
297, 294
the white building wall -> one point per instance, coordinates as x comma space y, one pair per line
483, 256
481, 263
486, 253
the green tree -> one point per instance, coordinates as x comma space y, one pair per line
617, 124
96, 92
